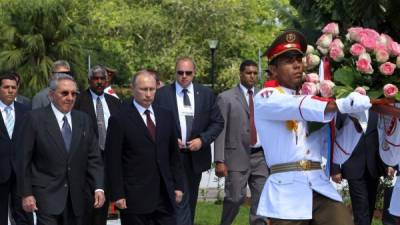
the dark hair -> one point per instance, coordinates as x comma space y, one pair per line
8, 76
246, 63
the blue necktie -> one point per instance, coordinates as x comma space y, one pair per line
9, 121
66, 133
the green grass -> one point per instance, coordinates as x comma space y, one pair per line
209, 213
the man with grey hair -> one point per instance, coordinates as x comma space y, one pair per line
99, 106
41, 99
58, 152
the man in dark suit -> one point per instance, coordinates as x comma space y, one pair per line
238, 154
10, 118
142, 161
41, 99
58, 152
99, 106
362, 171
198, 123
20, 98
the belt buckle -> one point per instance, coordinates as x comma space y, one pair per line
305, 164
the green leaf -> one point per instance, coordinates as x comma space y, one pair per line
342, 91
375, 94
346, 76
397, 97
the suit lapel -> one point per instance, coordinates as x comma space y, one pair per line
134, 115
239, 95
54, 131
3, 128
77, 133
175, 107
18, 115
198, 103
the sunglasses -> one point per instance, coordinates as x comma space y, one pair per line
181, 73
66, 93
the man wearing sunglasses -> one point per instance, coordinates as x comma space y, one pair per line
198, 123
58, 153
41, 99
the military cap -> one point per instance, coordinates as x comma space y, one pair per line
290, 40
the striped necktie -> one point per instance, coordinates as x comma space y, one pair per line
9, 121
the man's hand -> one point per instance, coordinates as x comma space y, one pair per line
221, 170
390, 171
195, 144
178, 196
337, 178
181, 145
121, 203
99, 199
29, 203
353, 103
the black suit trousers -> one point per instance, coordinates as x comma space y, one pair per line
67, 216
363, 197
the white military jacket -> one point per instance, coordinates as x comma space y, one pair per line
389, 150
288, 195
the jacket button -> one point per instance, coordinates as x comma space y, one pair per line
65, 185
69, 168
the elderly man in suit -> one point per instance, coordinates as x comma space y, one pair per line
238, 153
198, 123
59, 152
10, 118
41, 99
99, 106
142, 160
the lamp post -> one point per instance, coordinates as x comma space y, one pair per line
213, 46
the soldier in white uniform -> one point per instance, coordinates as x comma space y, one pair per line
297, 190
389, 150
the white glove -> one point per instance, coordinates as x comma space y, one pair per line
353, 103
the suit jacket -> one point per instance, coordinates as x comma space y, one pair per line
233, 144
50, 173
24, 100
207, 123
366, 154
85, 104
7, 150
137, 166
41, 99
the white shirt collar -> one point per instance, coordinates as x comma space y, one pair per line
94, 95
288, 90
179, 88
3, 106
244, 89
141, 109
59, 115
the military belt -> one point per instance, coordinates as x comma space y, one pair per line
302, 165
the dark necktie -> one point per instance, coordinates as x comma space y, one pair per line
101, 125
188, 119
150, 124
253, 132
66, 133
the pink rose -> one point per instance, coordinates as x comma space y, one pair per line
382, 56
324, 51
325, 40
366, 32
310, 49
383, 39
387, 68
364, 66
398, 61
312, 61
309, 88
354, 33
326, 88
337, 43
312, 77
365, 56
368, 42
394, 48
361, 90
357, 49
336, 54
390, 90
331, 28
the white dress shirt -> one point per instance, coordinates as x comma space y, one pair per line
289, 195
246, 96
141, 111
59, 116
106, 110
183, 110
